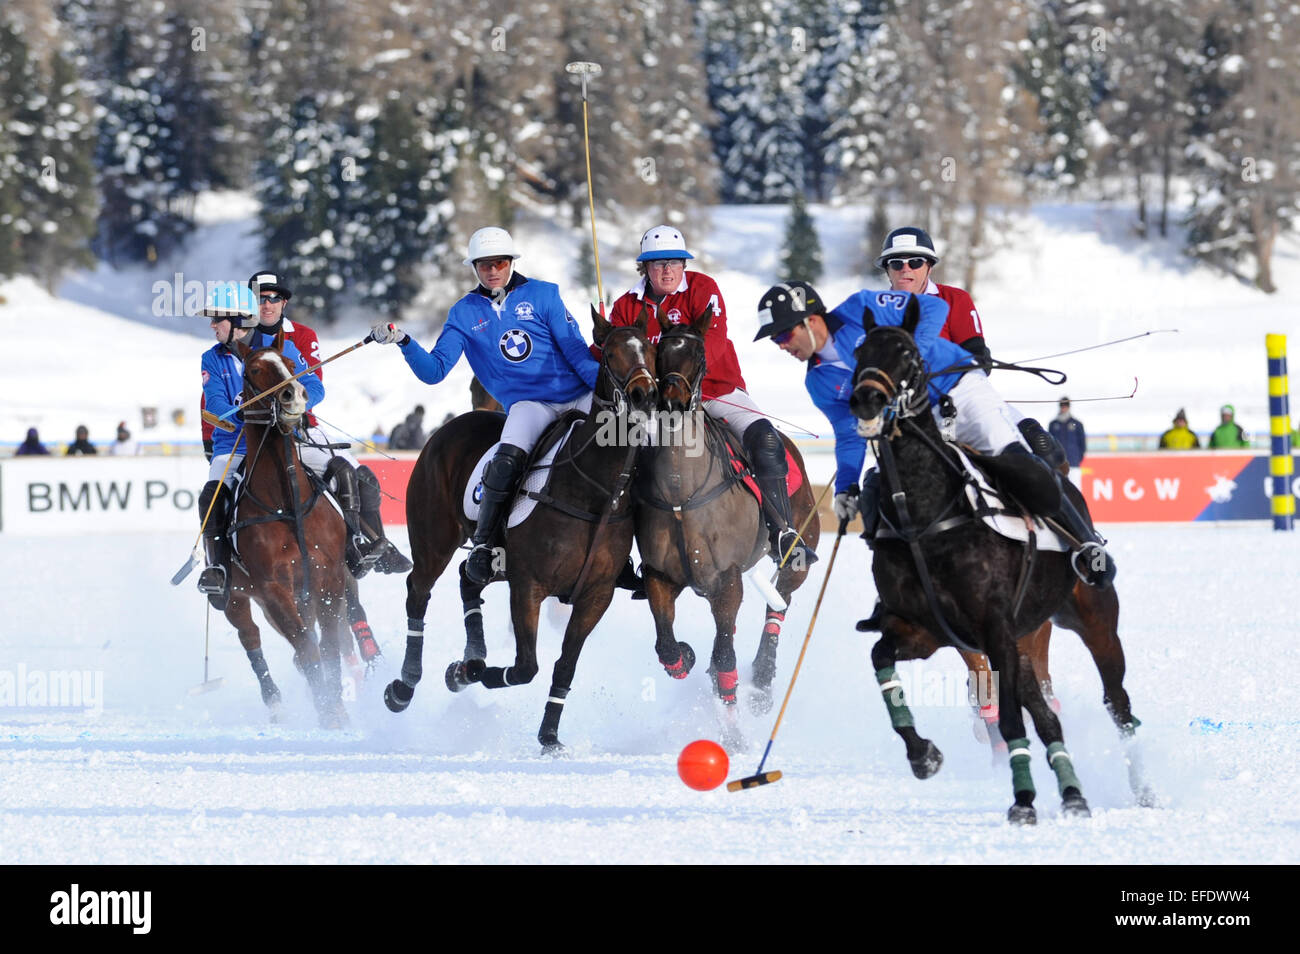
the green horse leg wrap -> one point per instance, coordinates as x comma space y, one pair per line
1018, 753
1059, 760
1128, 730
892, 690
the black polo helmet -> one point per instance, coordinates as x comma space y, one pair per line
269, 280
906, 243
784, 306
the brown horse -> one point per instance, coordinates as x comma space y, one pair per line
290, 543
698, 525
574, 544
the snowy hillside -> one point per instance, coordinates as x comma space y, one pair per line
1074, 277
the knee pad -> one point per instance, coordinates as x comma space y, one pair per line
765, 449
1042, 443
505, 465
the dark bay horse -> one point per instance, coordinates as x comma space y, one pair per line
290, 541
697, 524
574, 544
948, 580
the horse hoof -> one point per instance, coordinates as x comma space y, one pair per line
928, 762
398, 695
270, 695
1022, 815
552, 747
456, 677
760, 701
1146, 798
1074, 805
684, 664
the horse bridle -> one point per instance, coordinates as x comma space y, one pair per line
905, 398
618, 404
695, 383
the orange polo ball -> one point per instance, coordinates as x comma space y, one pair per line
703, 765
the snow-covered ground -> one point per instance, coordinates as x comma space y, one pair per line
1074, 276
163, 776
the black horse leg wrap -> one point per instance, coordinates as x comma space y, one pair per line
412, 666
258, 662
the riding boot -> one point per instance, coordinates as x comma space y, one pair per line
499, 479
766, 453
215, 578
869, 505
1090, 560
390, 559
359, 555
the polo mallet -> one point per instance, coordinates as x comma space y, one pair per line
584, 71
207, 685
196, 552
767, 588
766, 778
311, 368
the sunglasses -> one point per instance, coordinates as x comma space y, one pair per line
271, 299
784, 336
896, 264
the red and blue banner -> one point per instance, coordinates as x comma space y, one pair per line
1178, 486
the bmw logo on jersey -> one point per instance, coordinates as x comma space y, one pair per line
516, 345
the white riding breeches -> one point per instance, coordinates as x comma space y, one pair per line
737, 410
984, 421
527, 419
315, 459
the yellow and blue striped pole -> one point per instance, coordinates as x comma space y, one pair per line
1280, 466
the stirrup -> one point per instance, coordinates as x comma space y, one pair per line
212, 580
390, 559
478, 568
784, 541
360, 555
1085, 562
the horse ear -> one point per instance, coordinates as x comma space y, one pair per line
704, 320
241, 349
868, 318
599, 326
911, 314
643, 320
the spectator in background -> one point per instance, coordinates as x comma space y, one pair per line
1229, 432
1179, 437
1069, 433
124, 446
409, 435
81, 445
32, 446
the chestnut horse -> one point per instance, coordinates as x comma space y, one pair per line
946, 579
290, 543
690, 501
574, 544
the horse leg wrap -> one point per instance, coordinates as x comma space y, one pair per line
726, 683
497, 677
472, 601
549, 732
412, 665
772, 628
1059, 759
258, 662
1018, 754
891, 689
365, 640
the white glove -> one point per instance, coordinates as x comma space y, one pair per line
387, 333
846, 503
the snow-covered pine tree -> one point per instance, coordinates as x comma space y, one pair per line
67, 203
1245, 149
801, 252
1151, 47
1062, 69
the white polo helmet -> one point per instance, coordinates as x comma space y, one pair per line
490, 242
662, 241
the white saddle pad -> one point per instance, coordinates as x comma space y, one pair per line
1011, 526
534, 480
